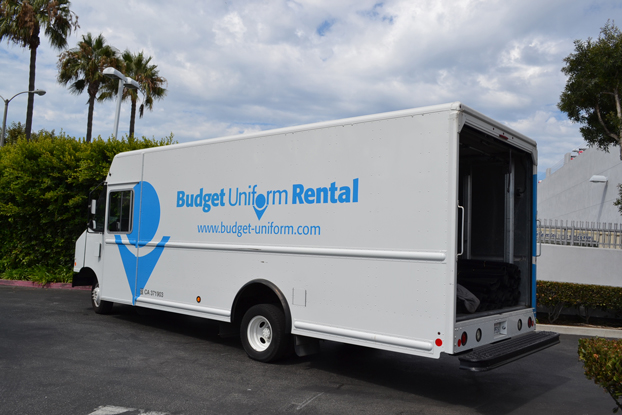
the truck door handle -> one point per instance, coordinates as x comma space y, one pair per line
538, 230
462, 233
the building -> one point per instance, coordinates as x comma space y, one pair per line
583, 187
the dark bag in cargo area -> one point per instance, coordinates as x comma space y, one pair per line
495, 284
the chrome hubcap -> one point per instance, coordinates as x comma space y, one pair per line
259, 333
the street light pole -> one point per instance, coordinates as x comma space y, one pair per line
6, 109
124, 81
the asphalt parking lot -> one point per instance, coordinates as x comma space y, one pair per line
58, 357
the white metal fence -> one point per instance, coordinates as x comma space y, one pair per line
577, 233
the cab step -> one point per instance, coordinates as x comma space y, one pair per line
498, 354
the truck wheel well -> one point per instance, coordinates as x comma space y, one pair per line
259, 292
86, 277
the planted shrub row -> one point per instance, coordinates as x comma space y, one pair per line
554, 296
44, 186
602, 361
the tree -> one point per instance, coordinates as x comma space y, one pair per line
83, 67
21, 22
592, 96
17, 131
139, 68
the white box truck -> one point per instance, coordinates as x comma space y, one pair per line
410, 231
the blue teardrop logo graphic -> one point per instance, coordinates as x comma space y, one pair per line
261, 204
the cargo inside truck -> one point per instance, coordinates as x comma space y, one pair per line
495, 191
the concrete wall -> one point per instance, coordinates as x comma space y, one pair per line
580, 265
568, 194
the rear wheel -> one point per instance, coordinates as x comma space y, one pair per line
264, 334
99, 306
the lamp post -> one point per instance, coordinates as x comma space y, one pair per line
124, 81
598, 179
6, 109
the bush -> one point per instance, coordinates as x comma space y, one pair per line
553, 296
602, 361
39, 274
44, 186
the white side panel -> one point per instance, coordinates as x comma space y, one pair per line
401, 167
365, 228
93, 253
79, 253
126, 168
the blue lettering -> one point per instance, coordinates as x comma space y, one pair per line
253, 193
321, 195
198, 200
309, 196
206, 206
333, 189
189, 200
259, 200
280, 192
344, 195
236, 197
297, 194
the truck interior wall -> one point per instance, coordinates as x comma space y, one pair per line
495, 185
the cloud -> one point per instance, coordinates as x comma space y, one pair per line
229, 30
554, 134
235, 67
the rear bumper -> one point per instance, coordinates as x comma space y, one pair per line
498, 354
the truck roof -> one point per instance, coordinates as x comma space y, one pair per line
476, 119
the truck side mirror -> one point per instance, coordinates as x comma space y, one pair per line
93, 206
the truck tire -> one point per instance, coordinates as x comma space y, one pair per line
99, 306
264, 334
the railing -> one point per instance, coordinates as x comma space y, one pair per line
578, 233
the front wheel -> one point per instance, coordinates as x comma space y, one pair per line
264, 334
99, 306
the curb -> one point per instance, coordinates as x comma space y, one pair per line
51, 285
582, 331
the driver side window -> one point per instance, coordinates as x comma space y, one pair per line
120, 211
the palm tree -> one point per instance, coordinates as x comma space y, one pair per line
21, 22
83, 66
138, 67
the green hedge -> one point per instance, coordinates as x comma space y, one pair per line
602, 361
44, 186
553, 296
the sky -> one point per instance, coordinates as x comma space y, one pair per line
235, 67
